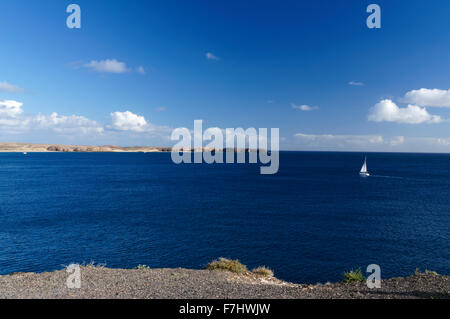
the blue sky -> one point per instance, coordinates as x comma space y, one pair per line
138, 69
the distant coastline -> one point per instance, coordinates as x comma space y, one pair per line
62, 148
38, 148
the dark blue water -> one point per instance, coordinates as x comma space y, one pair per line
314, 220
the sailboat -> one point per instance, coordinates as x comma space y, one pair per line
364, 172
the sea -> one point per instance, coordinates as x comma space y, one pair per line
311, 222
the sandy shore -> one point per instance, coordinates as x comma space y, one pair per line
99, 282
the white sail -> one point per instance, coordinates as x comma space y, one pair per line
364, 168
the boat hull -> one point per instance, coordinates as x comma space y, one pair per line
364, 174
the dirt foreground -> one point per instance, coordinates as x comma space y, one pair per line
101, 283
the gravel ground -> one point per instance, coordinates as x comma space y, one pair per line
98, 282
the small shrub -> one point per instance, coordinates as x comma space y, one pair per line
354, 276
228, 265
93, 264
142, 267
263, 271
417, 272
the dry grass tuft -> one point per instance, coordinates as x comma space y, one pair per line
263, 271
354, 276
225, 264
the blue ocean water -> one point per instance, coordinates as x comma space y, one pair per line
311, 222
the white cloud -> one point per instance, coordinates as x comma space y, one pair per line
397, 140
375, 143
161, 109
342, 141
108, 66
304, 107
12, 120
355, 83
332, 142
141, 70
442, 141
128, 121
429, 97
10, 108
134, 123
68, 124
388, 111
211, 56
126, 128
10, 88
